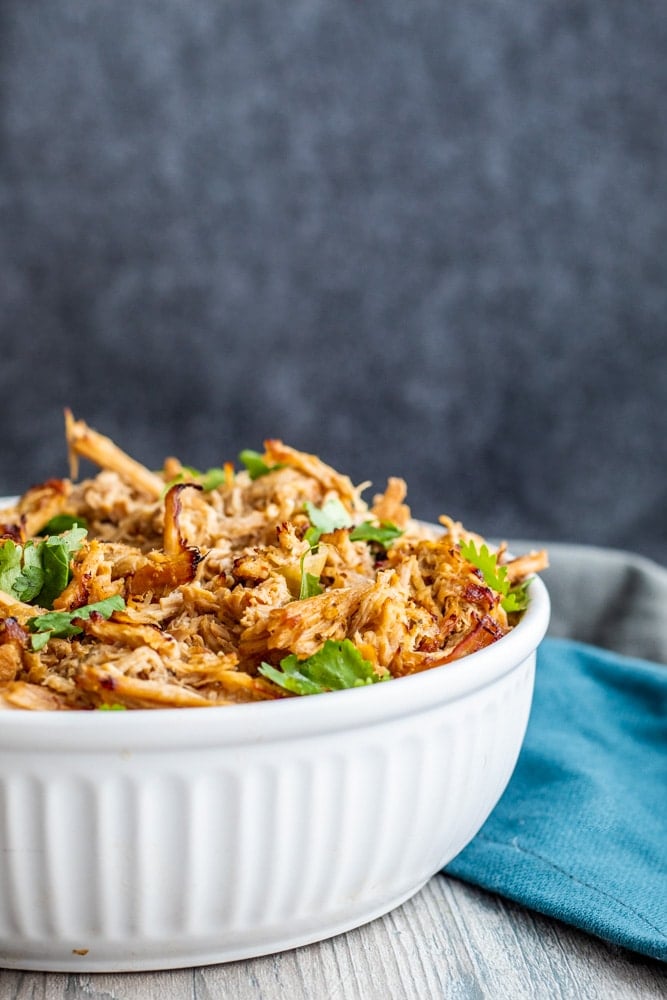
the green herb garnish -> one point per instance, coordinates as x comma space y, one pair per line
337, 665
212, 478
62, 522
56, 552
310, 584
329, 517
37, 573
208, 480
10, 566
59, 624
30, 581
515, 598
382, 534
255, 464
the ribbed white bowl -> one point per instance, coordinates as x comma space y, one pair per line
179, 837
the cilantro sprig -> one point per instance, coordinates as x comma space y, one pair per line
514, 597
334, 667
62, 522
310, 585
209, 480
38, 572
60, 624
255, 464
382, 534
329, 517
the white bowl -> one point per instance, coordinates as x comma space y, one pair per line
181, 837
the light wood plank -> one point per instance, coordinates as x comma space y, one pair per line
527, 955
451, 941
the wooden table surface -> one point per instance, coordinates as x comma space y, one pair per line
450, 940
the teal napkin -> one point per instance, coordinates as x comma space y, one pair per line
581, 831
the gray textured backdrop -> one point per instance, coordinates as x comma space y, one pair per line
424, 239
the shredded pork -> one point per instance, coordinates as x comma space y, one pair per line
211, 583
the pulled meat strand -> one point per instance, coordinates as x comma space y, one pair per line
84, 442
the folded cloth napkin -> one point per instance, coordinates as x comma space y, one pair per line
581, 831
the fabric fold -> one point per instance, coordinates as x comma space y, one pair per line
581, 831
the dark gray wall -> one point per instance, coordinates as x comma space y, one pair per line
426, 239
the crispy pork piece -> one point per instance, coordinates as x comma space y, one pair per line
41, 503
91, 578
159, 573
35, 697
113, 687
13, 640
481, 633
10, 607
177, 563
389, 506
522, 566
278, 453
84, 442
300, 627
118, 630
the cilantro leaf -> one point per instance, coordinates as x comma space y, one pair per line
487, 563
30, 581
515, 598
55, 562
59, 624
71, 540
383, 534
212, 478
56, 552
330, 516
39, 573
337, 665
10, 565
62, 522
323, 519
255, 464
208, 480
56, 574
310, 584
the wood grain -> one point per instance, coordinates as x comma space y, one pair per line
451, 941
